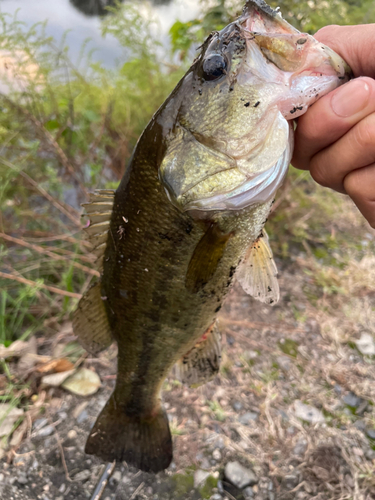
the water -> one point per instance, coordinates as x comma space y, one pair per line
81, 19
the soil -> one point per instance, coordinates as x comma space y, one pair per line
298, 356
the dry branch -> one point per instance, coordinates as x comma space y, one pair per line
40, 285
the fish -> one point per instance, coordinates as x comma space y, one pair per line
188, 217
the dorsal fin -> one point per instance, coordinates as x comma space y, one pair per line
257, 273
99, 212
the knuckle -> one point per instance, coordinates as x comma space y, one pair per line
319, 172
364, 134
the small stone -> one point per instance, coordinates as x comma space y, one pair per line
300, 447
45, 431
72, 434
338, 389
82, 475
360, 425
22, 479
370, 433
216, 496
200, 477
39, 423
247, 417
117, 476
216, 455
62, 488
82, 416
219, 443
352, 400
237, 406
290, 481
284, 363
366, 344
248, 493
308, 413
239, 475
62, 415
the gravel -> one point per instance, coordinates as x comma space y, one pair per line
239, 475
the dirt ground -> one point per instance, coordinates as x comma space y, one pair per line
293, 403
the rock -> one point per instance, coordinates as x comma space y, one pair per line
72, 434
200, 477
216, 497
45, 431
216, 455
360, 425
308, 413
219, 443
39, 423
247, 417
300, 447
22, 479
338, 389
82, 416
63, 415
83, 475
239, 475
284, 363
290, 481
352, 400
366, 344
117, 476
370, 433
248, 493
237, 406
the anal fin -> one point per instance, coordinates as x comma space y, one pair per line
206, 257
202, 363
257, 273
90, 321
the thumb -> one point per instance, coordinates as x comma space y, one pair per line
355, 44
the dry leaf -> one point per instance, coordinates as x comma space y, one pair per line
18, 348
56, 365
56, 379
84, 382
8, 417
18, 435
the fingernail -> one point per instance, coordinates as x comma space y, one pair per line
351, 98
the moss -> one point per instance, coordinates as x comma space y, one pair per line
289, 346
206, 491
183, 483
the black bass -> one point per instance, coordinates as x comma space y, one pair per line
188, 216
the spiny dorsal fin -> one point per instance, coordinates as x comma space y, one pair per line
99, 211
90, 321
202, 363
257, 273
206, 258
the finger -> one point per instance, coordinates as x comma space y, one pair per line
355, 44
331, 117
360, 186
354, 150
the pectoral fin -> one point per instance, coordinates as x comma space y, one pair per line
202, 363
90, 322
206, 258
257, 273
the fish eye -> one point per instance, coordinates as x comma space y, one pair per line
214, 66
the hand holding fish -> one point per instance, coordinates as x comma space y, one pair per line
335, 139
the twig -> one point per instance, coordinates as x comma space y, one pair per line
138, 490
102, 483
63, 457
53, 255
50, 139
43, 192
260, 324
40, 285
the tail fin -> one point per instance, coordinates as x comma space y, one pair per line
145, 443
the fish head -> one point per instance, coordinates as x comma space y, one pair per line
232, 139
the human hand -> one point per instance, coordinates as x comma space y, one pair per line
335, 139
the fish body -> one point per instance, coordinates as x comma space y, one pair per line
193, 201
